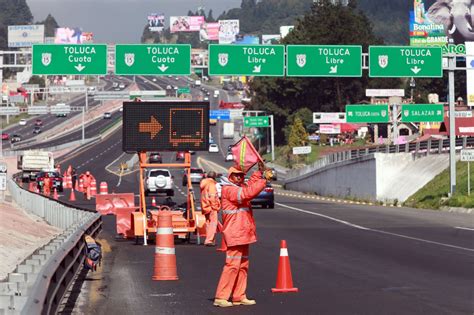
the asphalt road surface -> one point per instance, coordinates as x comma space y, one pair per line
345, 259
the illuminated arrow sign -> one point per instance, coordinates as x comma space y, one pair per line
153, 127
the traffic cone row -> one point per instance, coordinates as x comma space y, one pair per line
93, 188
165, 256
103, 188
55, 194
72, 196
153, 202
81, 186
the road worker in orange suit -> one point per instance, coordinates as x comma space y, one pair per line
87, 182
239, 231
46, 185
210, 205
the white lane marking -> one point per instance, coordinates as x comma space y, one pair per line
373, 230
162, 295
463, 228
323, 216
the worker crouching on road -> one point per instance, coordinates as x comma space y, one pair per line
210, 205
239, 231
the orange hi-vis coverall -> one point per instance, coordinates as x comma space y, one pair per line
239, 231
87, 182
210, 204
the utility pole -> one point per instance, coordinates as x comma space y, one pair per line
452, 127
83, 129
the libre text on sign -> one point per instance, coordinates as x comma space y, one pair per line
76, 59
405, 61
324, 61
251, 60
153, 59
422, 113
367, 113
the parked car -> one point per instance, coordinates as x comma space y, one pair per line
159, 181
107, 115
155, 157
22, 122
37, 130
57, 180
180, 156
122, 86
15, 138
229, 157
266, 198
5, 136
197, 174
38, 122
213, 148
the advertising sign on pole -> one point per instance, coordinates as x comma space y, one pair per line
186, 23
384, 92
329, 118
25, 35
228, 29
302, 150
331, 129
156, 22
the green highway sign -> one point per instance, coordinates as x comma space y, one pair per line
323, 61
160, 59
367, 113
184, 90
251, 60
422, 113
256, 121
74, 59
405, 61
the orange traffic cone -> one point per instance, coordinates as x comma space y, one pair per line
284, 282
72, 196
165, 257
55, 194
223, 247
153, 202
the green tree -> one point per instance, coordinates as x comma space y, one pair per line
50, 26
298, 136
210, 18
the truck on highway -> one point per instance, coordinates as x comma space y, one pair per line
228, 130
32, 162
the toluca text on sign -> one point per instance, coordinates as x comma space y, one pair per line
79, 53
331, 54
257, 54
413, 55
158, 52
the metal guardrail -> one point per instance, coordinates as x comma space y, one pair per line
41, 281
427, 147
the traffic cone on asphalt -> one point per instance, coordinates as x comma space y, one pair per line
153, 202
72, 196
55, 194
223, 246
284, 282
165, 257
93, 187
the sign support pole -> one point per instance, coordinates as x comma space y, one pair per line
87, 100
142, 160
468, 179
83, 130
395, 123
452, 127
272, 137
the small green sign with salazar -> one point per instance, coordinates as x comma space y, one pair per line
160, 59
250, 60
367, 113
422, 113
256, 121
74, 59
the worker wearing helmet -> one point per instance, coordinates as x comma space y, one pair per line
87, 182
239, 231
210, 204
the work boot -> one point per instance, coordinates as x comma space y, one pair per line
222, 303
245, 302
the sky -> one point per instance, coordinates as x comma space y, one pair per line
119, 21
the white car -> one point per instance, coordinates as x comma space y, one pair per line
107, 115
229, 157
122, 86
216, 93
159, 181
22, 122
206, 98
213, 148
154, 80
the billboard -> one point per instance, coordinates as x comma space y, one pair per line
199, 57
271, 39
186, 23
439, 23
246, 40
165, 126
25, 35
470, 73
284, 30
228, 29
209, 31
156, 22
66, 35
